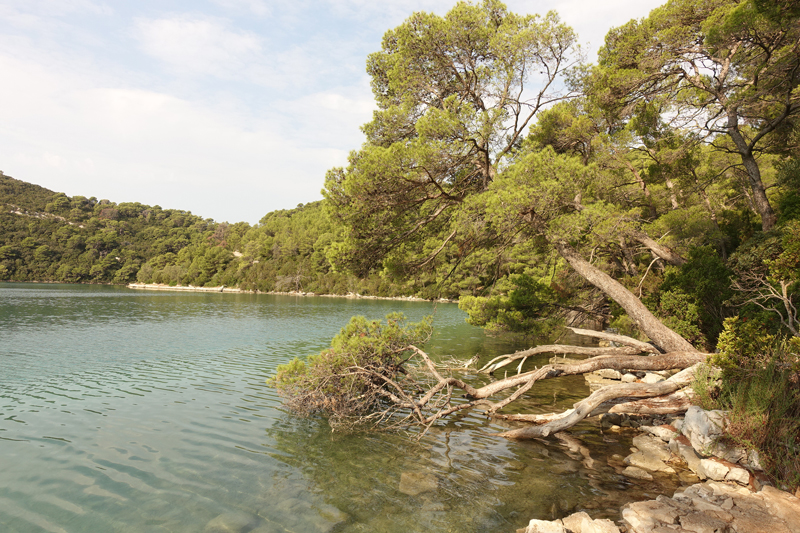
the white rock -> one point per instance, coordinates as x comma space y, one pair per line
608, 373
637, 473
703, 428
652, 446
712, 470
652, 378
628, 378
665, 433
545, 526
739, 475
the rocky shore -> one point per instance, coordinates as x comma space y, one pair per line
223, 288
730, 493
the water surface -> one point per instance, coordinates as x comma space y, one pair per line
134, 411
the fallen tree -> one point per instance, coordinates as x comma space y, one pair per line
370, 377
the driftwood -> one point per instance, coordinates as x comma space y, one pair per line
436, 402
614, 337
503, 360
584, 408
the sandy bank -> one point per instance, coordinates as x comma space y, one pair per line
351, 295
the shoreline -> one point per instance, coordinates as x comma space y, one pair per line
225, 289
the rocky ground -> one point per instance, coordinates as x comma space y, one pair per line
732, 494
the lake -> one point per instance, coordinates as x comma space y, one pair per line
144, 411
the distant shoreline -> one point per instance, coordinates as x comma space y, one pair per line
224, 289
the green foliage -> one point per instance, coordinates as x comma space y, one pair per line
527, 308
349, 379
693, 296
746, 345
759, 385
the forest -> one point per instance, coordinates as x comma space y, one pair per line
655, 192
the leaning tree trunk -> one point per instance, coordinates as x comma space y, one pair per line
745, 149
666, 339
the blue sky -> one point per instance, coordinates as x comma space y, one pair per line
226, 108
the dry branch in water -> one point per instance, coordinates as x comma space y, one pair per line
374, 375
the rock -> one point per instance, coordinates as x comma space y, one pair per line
687, 476
784, 506
595, 382
681, 447
703, 523
677, 424
663, 432
608, 373
712, 469
610, 419
646, 516
753, 461
637, 473
544, 526
652, 446
648, 462
235, 522
583, 523
703, 428
652, 378
414, 483
739, 475
628, 378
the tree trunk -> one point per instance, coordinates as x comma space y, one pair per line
584, 408
661, 251
760, 199
666, 339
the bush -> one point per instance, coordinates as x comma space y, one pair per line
759, 385
350, 380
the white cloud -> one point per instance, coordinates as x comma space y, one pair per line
65, 133
198, 45
258, 7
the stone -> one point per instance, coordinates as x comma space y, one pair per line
637, 473
576, 522
677, 424
712, 469
611, 419
652, 378
236, 522
628, 378
644, 516
664, 432
703, 428
687, 476
652, 446
544, 526
648, 462
738, 475
680, 446
784, 506
703, 523
753, 461
608, 373
415, 483
595, 382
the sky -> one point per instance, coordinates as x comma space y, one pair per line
229, 109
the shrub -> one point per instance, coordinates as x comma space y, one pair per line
351, 379
759, 385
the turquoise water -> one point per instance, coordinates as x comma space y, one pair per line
133, 411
